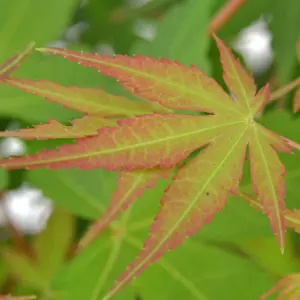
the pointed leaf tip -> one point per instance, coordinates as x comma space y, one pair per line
237, 79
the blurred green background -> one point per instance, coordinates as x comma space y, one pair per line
235, 257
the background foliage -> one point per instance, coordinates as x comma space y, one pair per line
236, 256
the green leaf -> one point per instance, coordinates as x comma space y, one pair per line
95, 269
52, 245
182, 34
23, 21
202, 272
102, 27
285, 27
266, 253
82, 193
194, 271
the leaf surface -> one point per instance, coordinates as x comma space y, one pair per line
19, 19
206, 193
202, 186
143, 142
84, 194
267, 177
168, 82
239, 82
86, 126
175, 276
94, 101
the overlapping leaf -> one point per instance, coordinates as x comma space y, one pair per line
202, 185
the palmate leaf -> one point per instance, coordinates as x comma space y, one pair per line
202, 185
94, 101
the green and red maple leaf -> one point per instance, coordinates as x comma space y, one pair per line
148, 140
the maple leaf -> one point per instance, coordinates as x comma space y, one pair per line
201, 186
94, 101
14, 62
86, 126
290, 288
